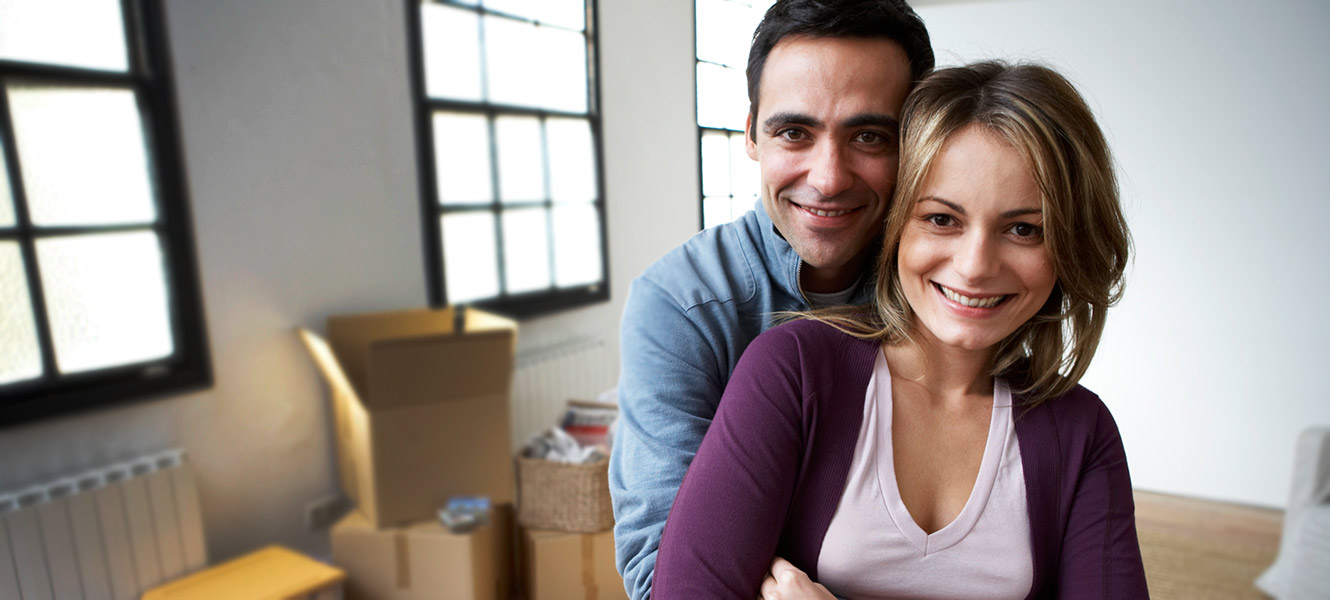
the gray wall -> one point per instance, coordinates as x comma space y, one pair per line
297, 128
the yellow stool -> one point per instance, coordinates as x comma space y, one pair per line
273, 573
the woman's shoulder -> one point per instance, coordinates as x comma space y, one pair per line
1078, 414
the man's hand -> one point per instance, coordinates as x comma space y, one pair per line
787, 582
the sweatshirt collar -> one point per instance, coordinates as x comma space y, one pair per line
785, 263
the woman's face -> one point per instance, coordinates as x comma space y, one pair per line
972, 260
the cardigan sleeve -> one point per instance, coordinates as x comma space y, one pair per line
725, 524
1100, 555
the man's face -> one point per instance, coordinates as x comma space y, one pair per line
826, 141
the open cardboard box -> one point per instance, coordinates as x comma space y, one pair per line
421, 410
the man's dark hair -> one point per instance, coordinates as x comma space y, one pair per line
889, 19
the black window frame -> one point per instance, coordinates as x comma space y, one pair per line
520, 305
189, 367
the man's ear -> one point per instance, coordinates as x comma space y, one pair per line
749, 145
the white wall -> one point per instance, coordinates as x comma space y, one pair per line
1216, 110
299, 146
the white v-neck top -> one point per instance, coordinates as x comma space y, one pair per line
874, 549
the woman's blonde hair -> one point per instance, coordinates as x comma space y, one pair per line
1040, 114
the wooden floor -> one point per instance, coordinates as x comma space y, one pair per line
1203, 549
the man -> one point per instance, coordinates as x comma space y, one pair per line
826, 82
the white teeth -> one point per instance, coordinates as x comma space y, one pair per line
968, 301
826, 213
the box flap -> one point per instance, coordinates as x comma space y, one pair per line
350, 424
327, 362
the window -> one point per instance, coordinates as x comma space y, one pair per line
509, 146
730, 179
99, 298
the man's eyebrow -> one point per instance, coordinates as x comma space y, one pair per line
875, 119
788, 118
1015, 212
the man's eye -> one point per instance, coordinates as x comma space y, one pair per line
872, 137
791, 134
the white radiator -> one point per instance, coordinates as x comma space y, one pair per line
544, 379
111, 533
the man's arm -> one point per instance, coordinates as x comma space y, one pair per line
669, 386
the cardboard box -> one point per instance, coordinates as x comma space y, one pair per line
425, 561
421, 411
271, 573
563, 566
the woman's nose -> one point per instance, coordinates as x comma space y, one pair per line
976, 257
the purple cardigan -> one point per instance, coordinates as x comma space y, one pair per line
771, 469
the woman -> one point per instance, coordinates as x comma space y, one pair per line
936, 444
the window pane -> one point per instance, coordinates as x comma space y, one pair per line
576, 245
106, 298
572, 155
462, 158
521, 172
725, 31
6, 194
451, 38
526, 250
469, 259
722, 97
561, 13
535, 66
745, 176
716, 211
79, 33
83, 155
20, 358
715, 164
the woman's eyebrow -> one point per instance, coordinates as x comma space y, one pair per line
1021, 211
947, 203
1015, 212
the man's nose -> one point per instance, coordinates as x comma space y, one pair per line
976, 257
829, 172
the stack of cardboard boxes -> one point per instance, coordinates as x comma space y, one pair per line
420, 403
420, 408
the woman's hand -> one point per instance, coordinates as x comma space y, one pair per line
787, 582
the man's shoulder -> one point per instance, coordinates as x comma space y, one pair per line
716, 264
808, 337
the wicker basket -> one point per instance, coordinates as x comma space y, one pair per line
564, 497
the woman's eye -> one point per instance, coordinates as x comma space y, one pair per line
1027, 230
940, 220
